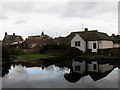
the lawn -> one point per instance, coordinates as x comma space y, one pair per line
33, 57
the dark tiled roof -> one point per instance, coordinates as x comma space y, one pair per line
116, 39
33, 41
8, 39
90, 35
60, 40
40, 37
96, 76
45, 39
48, 41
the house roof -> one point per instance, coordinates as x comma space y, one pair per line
72, 77
16, 43
96, 76
90, 35
60, 40
33, 41
115, 39
8, 39
40, 37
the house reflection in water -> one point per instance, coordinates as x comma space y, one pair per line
80, 68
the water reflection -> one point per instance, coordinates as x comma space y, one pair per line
81, 68
80, 74
5, 69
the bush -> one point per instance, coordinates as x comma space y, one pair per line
51, 47
5, 53
17, 51
72, 52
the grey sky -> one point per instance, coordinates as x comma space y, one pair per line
57, 18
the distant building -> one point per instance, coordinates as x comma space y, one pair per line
35, 42
12, 39
116, 40
32, 43
60, 41
116, 45
91, 40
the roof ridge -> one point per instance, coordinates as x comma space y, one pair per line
85, 31
13, 35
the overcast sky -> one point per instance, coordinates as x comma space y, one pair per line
31, 17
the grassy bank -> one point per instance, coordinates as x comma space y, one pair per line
33, 57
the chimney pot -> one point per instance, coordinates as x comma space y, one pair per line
113, 35
5, 33
13, 34
86, 29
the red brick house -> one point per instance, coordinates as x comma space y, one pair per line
34, 43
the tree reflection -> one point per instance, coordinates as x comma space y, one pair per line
5, 69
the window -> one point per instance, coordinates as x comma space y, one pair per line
94, 67
77, 43
94, 45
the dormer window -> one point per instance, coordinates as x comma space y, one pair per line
77, 43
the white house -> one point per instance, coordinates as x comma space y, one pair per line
93, 66
79, 66
91, 40
101, 68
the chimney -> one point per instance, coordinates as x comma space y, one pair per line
13, 34
5, 33
113, 35
42, 33
86, 29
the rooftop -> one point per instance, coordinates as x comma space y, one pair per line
91, 35
9, 39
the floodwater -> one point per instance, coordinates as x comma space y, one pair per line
81, 74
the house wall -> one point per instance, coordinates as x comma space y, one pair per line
91, 67
100, 45
116, 45
33, 45
90, 46
105, 67
82, 66
105, 44
82, 43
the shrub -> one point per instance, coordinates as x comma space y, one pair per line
72, 52
5, 53
17, 51
53, 47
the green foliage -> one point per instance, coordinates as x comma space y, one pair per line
17, 51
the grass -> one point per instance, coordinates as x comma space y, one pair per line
33, 57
